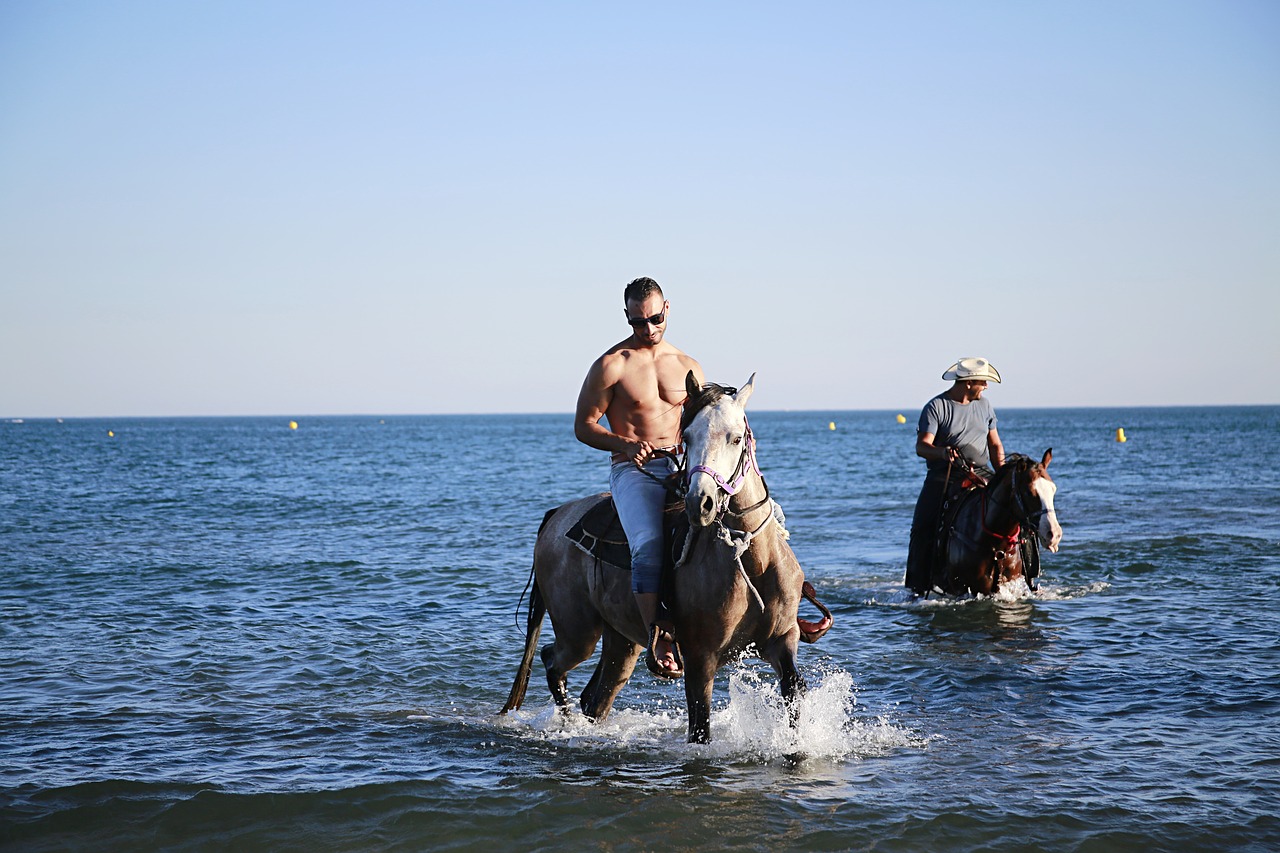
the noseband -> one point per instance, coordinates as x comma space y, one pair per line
746, 463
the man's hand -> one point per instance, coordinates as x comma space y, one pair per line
640, 452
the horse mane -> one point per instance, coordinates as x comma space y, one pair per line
708, 395
1013, 462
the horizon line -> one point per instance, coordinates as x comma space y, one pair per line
18, 419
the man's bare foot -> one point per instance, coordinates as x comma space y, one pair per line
663, 658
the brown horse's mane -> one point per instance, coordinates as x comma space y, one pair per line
707, 395
1013, 462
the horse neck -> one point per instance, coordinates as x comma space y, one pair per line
751, 500
999, 502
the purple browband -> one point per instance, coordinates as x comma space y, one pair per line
747, 462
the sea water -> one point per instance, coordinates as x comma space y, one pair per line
230, 634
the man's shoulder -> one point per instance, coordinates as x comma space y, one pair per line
616, 355
939, 403
982, 407
684, 359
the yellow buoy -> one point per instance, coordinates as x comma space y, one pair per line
1120, 435
831, 425
901, 419
111, 434
293, 424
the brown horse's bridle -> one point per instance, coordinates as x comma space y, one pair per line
1021, 514
1027, 517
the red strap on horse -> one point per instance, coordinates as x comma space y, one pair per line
1011, 538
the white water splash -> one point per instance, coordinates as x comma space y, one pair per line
895, 596
1049, 592
753, 724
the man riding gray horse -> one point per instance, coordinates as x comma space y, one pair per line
638, 387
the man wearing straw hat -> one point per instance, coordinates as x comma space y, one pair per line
956, 425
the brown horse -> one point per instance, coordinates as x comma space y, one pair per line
737, 583
987, 530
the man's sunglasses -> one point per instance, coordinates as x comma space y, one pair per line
640, 322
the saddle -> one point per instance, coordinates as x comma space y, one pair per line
599, 533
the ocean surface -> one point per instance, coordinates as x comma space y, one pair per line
229, 634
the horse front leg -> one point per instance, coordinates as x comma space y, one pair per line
699, 679
781, 655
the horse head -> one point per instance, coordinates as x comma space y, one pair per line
719, 448
1041, 486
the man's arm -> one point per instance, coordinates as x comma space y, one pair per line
926, 449
593, 402
995, 448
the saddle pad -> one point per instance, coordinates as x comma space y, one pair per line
600, 534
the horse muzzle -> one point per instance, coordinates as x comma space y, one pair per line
702, 506
1050, 532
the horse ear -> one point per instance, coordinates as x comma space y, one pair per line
744, 393
1048, 455
691, 385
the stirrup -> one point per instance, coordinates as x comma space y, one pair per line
656, 632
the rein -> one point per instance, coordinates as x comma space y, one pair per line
1010, 538
665, 481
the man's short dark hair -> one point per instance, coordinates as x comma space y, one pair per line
639, 290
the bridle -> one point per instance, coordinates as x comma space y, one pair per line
739, 539
1020, 513
730, 487
746, 463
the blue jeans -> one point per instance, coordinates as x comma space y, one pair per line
639, 500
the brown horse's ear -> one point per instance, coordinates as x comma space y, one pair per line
691, 385
1048, 456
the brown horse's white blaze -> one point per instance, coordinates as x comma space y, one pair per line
1048, 529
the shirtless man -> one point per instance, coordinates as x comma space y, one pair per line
638, 387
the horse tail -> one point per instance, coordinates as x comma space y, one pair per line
537, 609
533, 630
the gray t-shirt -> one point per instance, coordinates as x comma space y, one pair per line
964, 427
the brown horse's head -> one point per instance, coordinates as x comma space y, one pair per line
1033, 490
718, 446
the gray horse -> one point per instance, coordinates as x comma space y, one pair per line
737, 584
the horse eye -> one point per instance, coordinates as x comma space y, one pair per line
737, 439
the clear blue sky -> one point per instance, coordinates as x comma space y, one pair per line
307, 207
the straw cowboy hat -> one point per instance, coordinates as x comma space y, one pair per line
972, 369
